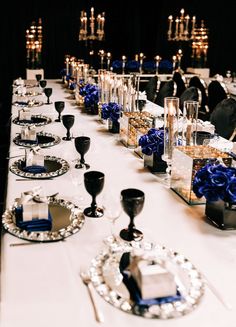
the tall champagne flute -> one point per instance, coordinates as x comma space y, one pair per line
171, 130
112, 211
77, 178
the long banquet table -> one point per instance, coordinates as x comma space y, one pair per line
40, 283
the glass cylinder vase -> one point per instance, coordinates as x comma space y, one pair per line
171, 128
190, 116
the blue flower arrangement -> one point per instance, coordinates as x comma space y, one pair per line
152, 142
117, 64
132, 65
90, 94
111, 110
216, 182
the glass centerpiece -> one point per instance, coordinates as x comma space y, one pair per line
152, 145
217, 183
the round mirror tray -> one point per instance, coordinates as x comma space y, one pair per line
107, 275
44, 140
37, 120
54, 167
28, 104
67, 219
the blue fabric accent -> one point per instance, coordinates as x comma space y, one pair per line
34, 225
136, 295
34, 169
29, 141
134, 291
22, 103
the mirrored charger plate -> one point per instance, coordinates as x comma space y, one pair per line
44, 140
67, 219
37, 120
28, 94
28, 104
107, 279
54, 167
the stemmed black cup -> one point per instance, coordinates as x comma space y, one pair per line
38, 77
68, 122
48, 92
132, 201
82, 145
43, 83
94, 182
59, 106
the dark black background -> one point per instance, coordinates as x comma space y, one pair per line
131, 27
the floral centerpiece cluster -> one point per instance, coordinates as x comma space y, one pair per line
90, 94
217, 183
152, 144
111, 111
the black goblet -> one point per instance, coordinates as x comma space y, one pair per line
132, 201
59, 106
68, 122
82, 145
94, 182
43, 83
140, 104
38, 77
48, 92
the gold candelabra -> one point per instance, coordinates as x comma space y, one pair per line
200, 45
34, 40
96, 31
183, 29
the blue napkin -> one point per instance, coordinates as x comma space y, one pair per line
133, 288
26, 121
35, 225
22, 103
29, 141
135, 294
34, 169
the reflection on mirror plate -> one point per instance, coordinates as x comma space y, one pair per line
107, 279
37, 120
54, 167
44, 140
67, 219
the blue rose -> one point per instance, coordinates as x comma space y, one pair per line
152, 142
214, 182
111, 110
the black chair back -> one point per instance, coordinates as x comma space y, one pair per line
223, 118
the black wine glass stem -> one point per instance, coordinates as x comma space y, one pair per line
131, 224
82, 161
68, 134
59, 116
48, 102
94, 205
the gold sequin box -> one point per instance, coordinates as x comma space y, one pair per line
186, 161
130, 123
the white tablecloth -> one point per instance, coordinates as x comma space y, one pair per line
40, 283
